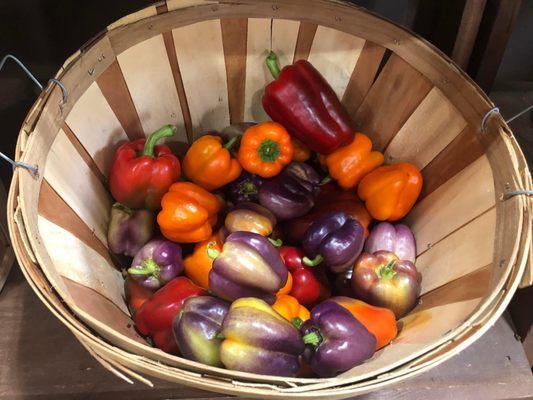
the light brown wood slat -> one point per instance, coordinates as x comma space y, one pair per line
306, 34
467, 33
397, 92
362, 76
234, 40
113, 86
460, 153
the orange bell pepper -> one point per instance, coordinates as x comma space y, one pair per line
289, 308
198, 264
188, 213
288, 286
265, 149
350, 163
301, 151
390, 191
209, 164
378, 320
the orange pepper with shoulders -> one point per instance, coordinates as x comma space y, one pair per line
290, 309
198, 264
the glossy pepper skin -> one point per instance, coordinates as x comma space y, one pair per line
155, 317
289, 308
336, 341
250, 217
302, 153
196, 328
259, 340
349, 164
292, 193
390, 191
309, 284
379, 321
383, 280
141, 172
265, 149
395, 238
188, 213
136, 295
156, 263
302, 101
209, 164
244, 188
129, 229
335, 239
198, 264
248, 266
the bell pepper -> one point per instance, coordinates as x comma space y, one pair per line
310, 285
289, 308
288, 286
129, 229
209, 164
244, 188
265, 149
198, 264
188, 213
349, 164
259, 340
336, 341
390, 191
250, 217
248, 266
395, 238
302, 101
302, 153
157, 263
383, 280
335, 239
136, 295
155, 317
142, 172
292, 193
197, 327
379, 321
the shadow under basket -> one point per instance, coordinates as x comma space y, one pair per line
200, 65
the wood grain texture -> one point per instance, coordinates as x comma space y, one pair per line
284, 34
306, 34
362, 76
334, 54
397, 92
431, 127
113, 86
467, 33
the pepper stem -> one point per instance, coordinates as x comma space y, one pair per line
268, 151
327, 179
249, 188
148, 267
314, 262
231, 142
211, 252
122, 207
386, 271
165, 131
275, 242
297, 322
313, 338
220, 336
272, 63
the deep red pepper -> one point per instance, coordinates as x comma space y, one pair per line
303, 102
156, 314
309, 284
142, 172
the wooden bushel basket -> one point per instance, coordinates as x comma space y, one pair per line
200, 65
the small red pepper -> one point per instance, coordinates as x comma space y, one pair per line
142, 172
156, 314
309, 284
303, 102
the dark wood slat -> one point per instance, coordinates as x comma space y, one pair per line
114, 88
363, 76
468, 29
234, 40
306, 34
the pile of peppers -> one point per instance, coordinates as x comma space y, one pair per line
278, 248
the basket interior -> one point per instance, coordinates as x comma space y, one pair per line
203, 74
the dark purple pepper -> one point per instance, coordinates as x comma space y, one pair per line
129, 229
336, 341
244, 188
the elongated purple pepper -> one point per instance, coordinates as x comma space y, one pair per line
248, 266
336, 341
129, 229
156, 263
397, 239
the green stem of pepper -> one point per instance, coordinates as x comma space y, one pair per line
148, 267
122, 207
297, 322
327, 179
314, 262
313, 338
386, 271
211, 252
268, 151
272, 63
165, 131
231, 142
275, 242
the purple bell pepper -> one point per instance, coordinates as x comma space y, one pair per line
248, 266
197, 329
129, 229
156, 263
336, 239
336, 341
244, 188
397, 239
250, 217
292, 193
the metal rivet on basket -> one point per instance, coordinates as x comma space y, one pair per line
493, 110
91, 71
337, 18
275, 7
501, 263
396, 42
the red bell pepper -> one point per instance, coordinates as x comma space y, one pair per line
155, 317
309, 284
303, 102
142, 172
